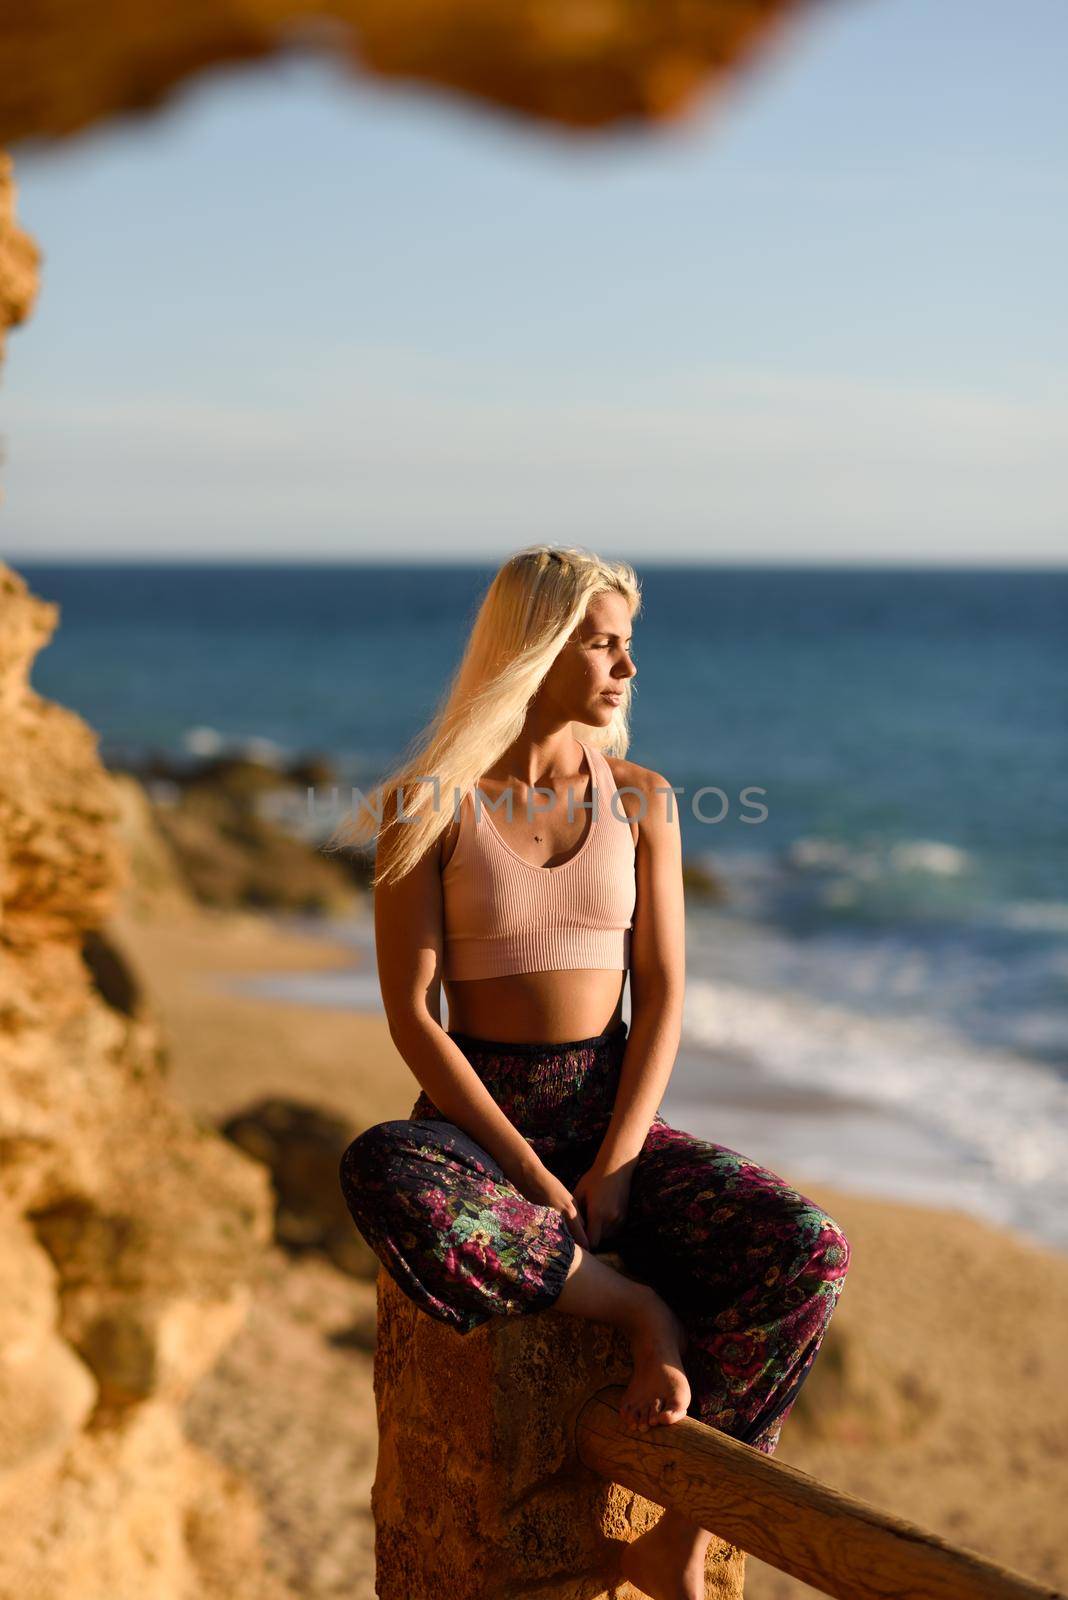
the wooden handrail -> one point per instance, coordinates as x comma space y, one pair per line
838, 1544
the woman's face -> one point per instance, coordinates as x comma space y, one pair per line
584, 682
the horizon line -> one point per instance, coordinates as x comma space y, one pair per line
818, 563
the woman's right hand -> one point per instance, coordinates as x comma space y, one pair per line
537, 1183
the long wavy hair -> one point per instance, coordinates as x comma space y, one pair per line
530, 610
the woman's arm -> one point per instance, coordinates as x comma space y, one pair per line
657, 976
409, 943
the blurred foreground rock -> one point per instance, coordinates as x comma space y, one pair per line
578, 63
129, 1234
20, 258
478, 1491
302, 1146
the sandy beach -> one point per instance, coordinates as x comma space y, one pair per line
939, 1394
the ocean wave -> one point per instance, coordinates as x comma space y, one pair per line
1040, 916
877, 859
1002, 1112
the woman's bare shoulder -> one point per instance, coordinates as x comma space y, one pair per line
643, 788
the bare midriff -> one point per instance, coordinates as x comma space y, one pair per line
537, 1007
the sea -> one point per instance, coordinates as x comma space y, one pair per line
872, 762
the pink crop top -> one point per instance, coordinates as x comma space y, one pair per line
505, 915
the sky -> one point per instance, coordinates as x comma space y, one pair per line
303, 315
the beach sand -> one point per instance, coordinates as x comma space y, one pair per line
939, 1395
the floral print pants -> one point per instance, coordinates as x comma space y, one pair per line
752, 1268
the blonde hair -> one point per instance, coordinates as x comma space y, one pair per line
528, 613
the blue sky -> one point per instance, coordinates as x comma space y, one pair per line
301, 314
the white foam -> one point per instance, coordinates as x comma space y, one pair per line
876, 858
929, 855
1044, 916
1000, 1122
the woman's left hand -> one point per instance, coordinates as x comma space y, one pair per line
602, 1197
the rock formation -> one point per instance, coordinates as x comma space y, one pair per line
129, 1233
581, 63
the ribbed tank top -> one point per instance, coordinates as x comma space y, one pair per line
504, 915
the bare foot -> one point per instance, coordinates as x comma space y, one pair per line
667, 1562
658, 1391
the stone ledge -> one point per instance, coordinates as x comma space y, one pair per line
479, 1494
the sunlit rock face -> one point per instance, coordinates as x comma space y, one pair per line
129, 1233
575, 63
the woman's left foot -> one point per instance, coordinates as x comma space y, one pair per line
658, 1393
667, 1562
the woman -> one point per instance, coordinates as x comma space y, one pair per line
536, 1139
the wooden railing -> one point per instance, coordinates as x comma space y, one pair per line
838, 1544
